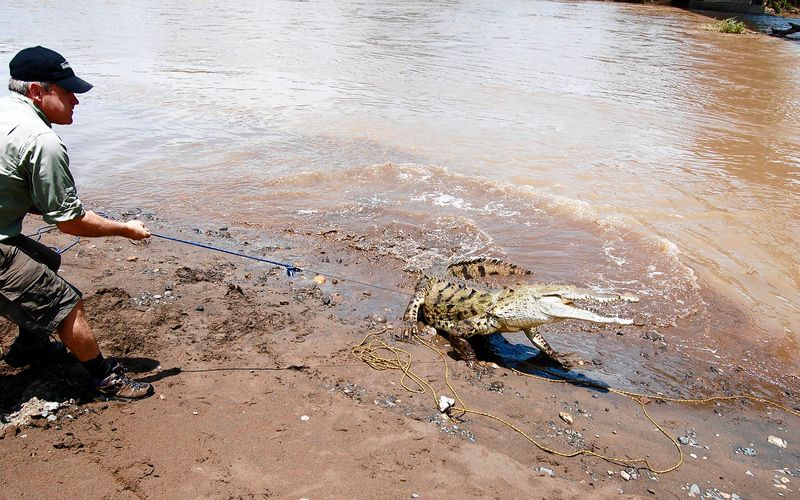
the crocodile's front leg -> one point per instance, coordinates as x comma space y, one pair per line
411, 324
465, 329
564, 359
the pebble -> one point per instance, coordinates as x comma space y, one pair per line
319, 279
749, 473
305, 418
545, 471
566, 417
415, 495
199, 307
194, 413
694, 490
777, 441
625, 475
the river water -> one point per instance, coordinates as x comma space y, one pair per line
614, 145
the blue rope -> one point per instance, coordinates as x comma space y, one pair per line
46, 229
290, 268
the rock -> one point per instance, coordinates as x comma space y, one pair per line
653, 335
750, 452
566, 417
694, 490
199, 307
625, 475
415, 495
377, 318
319, 279
781, 443
132, 258
445, 403
305, 418
544, 471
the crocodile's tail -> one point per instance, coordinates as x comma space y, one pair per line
480, 267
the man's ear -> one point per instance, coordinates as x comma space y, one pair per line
35, 91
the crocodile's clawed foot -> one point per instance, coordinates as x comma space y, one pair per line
568, 360
482, 367
409, 329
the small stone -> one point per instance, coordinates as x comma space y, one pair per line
162, 397
156, 296
625, 475
781, 443
194, 413
545, 471
319, 279
566, 417
415, 495
305, 418
132, 258
445, 403
651, 491
748, 473
694, 490
692, 455
199, 307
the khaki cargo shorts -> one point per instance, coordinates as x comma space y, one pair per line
31, 295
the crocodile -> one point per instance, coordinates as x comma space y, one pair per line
450, 299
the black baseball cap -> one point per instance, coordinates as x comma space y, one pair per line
40, 64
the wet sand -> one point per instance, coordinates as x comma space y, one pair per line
258, 395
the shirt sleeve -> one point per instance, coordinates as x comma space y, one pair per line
52, 186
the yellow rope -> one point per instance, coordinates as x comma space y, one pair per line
372, 346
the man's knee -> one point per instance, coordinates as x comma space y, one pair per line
33, 296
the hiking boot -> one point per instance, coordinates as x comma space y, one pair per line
25, 352
118, 386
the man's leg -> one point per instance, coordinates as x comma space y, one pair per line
108, 378
29, 346
40, 302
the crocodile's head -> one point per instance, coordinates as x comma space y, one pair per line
559, 308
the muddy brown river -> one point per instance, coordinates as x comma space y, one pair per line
614, 145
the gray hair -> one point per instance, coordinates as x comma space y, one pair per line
21, 87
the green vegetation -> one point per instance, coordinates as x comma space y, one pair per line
780, 6
730, 25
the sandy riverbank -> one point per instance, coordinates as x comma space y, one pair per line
258, 395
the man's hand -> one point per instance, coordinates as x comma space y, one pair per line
136, 231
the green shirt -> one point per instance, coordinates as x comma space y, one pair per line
34, 168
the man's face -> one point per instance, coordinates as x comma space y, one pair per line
55, 102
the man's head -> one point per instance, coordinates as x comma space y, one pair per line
47, 78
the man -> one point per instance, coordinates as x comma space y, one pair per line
35, 177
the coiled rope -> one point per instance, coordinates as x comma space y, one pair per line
372, 348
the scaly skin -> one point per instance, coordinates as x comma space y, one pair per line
451, 302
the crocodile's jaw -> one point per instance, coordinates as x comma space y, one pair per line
554, 306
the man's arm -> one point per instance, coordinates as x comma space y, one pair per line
90, 224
